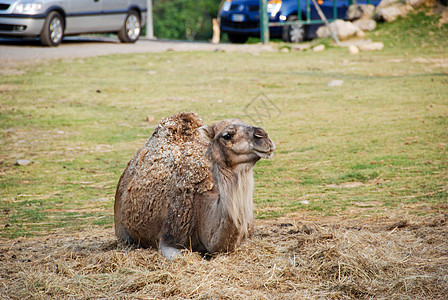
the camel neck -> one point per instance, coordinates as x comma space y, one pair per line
236, 190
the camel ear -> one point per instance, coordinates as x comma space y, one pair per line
207, 132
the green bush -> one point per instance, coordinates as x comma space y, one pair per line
184, 19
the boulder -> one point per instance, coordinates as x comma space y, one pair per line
343, 30
365, 24
386, 3
392, 12
444, 18
360, 11
415, 3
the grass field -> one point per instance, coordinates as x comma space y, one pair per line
365, 155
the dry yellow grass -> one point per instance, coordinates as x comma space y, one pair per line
294, 257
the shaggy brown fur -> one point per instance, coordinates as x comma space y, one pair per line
182, 190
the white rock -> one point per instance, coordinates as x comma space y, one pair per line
319, 48
415, 3
22, 162
343, 29
391, 13
360, 34
365, 24
377, 46
336, 82
352, 49
360, 11
386, 3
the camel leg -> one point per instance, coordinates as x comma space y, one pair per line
123, 235
168, 251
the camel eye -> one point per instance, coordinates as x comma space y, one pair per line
227, 136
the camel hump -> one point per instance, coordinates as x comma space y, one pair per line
179, 128
173, 157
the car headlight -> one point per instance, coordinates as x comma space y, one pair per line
226, 5
274, 7
28, 7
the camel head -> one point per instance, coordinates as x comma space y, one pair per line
233, 142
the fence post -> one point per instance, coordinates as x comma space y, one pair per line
264, 26
149, 23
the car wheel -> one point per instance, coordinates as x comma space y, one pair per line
293, 33
53, 30
130, 31
237, 38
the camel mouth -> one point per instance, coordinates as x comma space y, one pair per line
264, 154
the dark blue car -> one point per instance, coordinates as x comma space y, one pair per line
240, 19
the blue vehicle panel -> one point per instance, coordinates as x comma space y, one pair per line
241, 19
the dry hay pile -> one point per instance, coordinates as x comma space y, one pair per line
288, 258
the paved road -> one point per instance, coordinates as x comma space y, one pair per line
16, 50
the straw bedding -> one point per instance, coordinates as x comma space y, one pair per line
289, 258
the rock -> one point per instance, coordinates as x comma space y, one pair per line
343, 29
389, 10
319, 48
300, 47
391, 13
284, 50
336, 82
365, 24
352, 49
360, 11
444, 18
360, 34
415, 3
22, 162
377, 46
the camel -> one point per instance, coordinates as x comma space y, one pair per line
190, 187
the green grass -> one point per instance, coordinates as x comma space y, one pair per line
81, 121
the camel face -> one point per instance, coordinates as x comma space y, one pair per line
234, 142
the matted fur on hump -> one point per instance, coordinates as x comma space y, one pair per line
167, 171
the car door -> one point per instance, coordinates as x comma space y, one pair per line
84, 16
114, 13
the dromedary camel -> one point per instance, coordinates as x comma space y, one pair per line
190, 186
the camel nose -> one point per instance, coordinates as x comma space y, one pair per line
260, 133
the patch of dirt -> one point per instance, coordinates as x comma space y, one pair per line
288, 258
346, 185
11, 68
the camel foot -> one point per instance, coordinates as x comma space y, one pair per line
169, 252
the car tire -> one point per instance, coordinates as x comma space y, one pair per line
53, 30
131, 29
293, 33
237, 38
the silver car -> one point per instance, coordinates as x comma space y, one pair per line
51, 20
